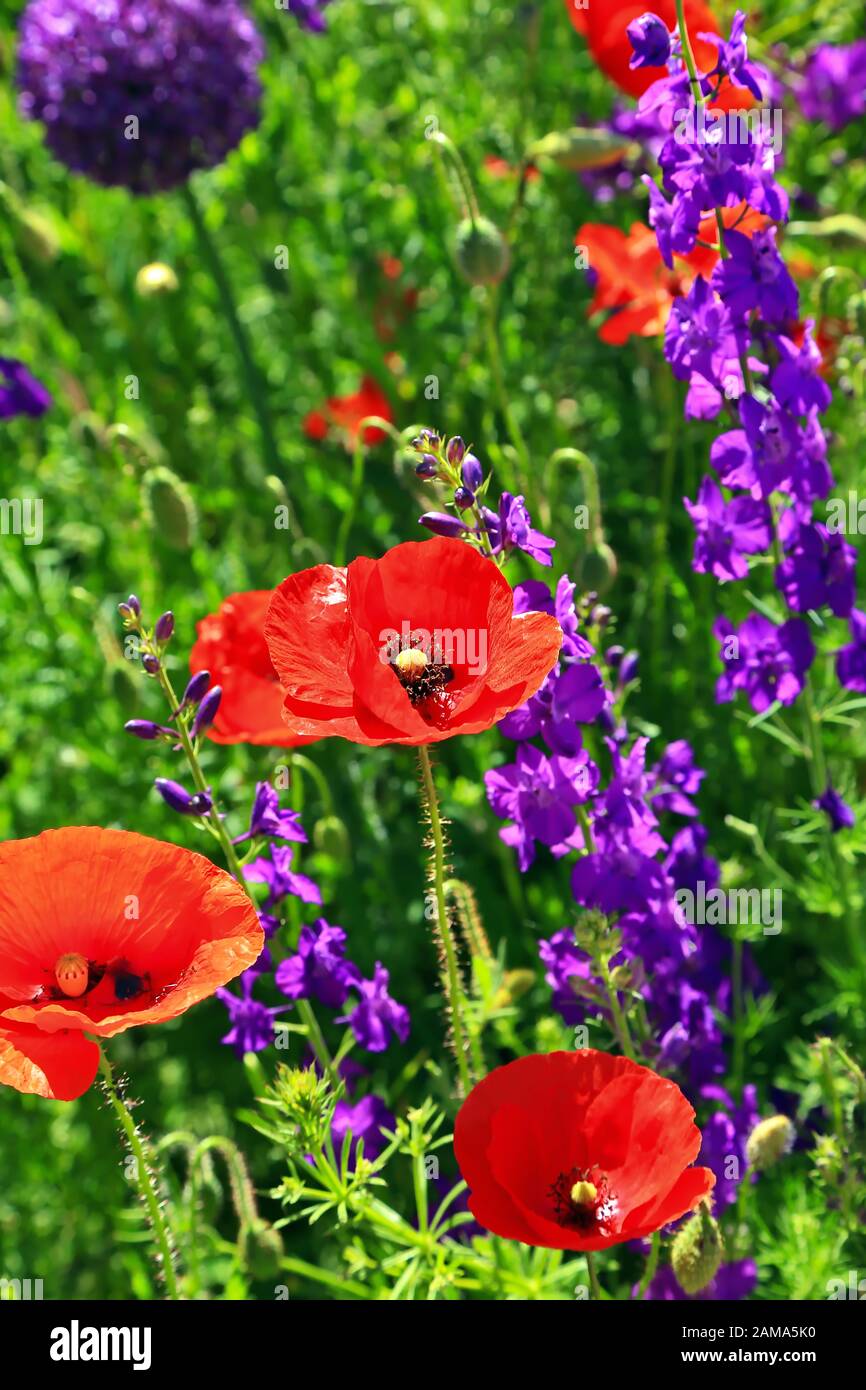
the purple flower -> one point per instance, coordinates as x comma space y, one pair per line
511, 529
651, 41
727, 531
266, 818
675, 224
699, 335
376, 1012
724, 1136
140, 93
754, 276
796, 382
833, 88
443, 524
686, 862
677, 779
277, 873
819, 569
365, 1121
564, 961
309, 14
732, 1282
839, 813
767, 661
537, 794
319, 969
851, 660
252, 1023
20, 392
619, 879
733, 60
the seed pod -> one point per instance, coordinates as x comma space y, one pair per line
169, 508
769, 1141
697, 1251
481, 252
598, 568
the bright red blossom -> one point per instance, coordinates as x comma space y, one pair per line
100, 931
332, 633
231, 646
578, 1151
345, 413
603, 23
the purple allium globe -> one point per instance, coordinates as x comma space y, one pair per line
180, 75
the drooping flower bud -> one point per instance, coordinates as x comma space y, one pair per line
697, 1251
207, 710
598, 568
463, 498
441, 524
481, 252
168, 507
146, 729
769, 1141
179, 799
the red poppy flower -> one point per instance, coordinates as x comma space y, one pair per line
578, 1151
102, 930
345, 413
632, 280
413, 648
501, 169
231, 645
604, 22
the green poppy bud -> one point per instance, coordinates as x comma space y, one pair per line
697, 1251
481, 252
769, 1141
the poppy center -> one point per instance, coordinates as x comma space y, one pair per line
582, 1201
72, 974
424, 680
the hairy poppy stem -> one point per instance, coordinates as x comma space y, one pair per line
452, 977
146, 1178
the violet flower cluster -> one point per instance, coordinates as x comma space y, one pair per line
140, 93
737, 342
636, 842
20, 392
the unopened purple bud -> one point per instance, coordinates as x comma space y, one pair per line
442, 524
207, 710
150, 663
605, 720
629, 667
179, 799
196, 689
600, 615
145, 728
472, 473
613, 656
463, 498
428, 467
455, 449
164, 627
133, 603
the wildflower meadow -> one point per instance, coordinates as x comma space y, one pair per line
433, 661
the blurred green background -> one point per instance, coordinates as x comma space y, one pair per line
340, 172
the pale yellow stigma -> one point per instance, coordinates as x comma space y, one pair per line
72, 974
583, 1193
411, 663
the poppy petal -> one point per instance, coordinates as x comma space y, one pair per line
59, 1066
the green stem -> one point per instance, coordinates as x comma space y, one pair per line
652, 1264
144, 1178
452, 977
253, 378
594, 1286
